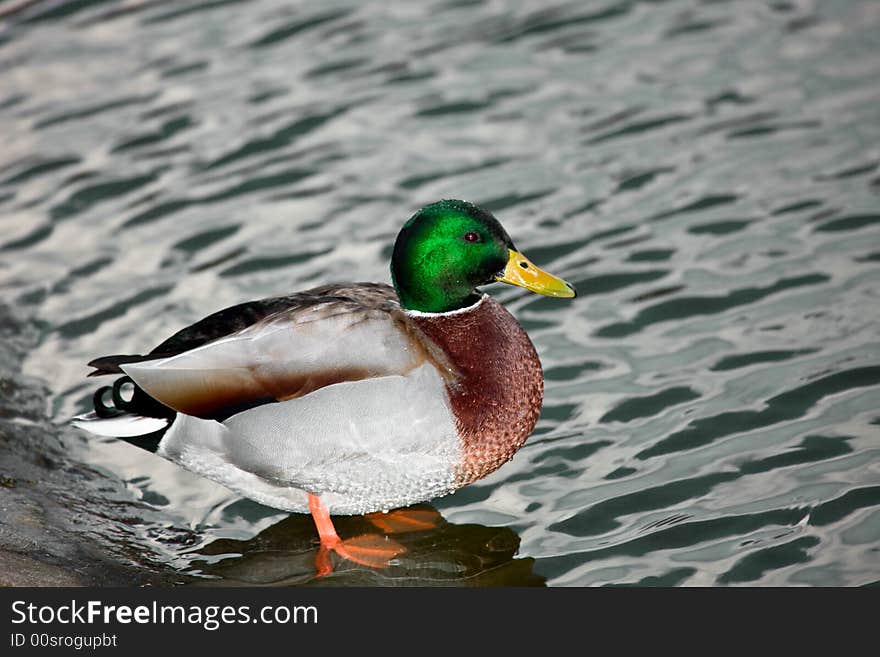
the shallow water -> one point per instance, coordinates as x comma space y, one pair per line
706, 173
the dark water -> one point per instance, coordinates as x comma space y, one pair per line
706, 173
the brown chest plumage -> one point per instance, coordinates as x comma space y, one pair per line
496, 387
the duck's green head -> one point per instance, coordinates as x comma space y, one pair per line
449, 248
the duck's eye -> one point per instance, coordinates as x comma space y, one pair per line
471, 237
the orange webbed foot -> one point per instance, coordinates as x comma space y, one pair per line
371, 550
401, 521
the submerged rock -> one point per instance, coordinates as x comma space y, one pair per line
61, 522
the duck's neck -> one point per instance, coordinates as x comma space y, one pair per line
497, 386
434, 299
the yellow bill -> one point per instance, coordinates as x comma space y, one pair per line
522, 272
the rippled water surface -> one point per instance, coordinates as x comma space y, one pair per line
706, 173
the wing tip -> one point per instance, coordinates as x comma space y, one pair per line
112, 364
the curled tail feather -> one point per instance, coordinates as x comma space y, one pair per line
140, 402
139, 417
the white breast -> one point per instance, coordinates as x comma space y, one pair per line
362, 446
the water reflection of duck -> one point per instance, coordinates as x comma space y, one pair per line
383, 397
437, 554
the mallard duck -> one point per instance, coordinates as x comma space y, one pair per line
355, 398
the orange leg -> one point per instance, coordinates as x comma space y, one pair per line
326, 530
367, 550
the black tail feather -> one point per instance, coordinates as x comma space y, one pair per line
140, 402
